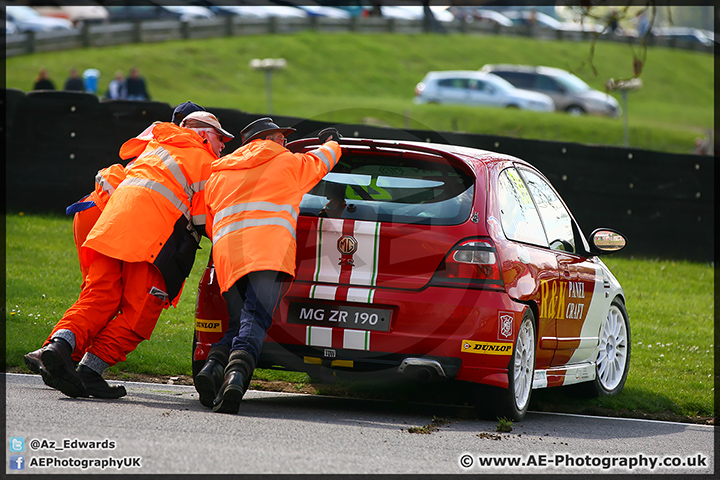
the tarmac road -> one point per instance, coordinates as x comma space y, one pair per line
163, 429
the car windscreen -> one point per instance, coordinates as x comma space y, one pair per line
392, 188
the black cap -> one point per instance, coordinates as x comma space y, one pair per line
261, 128
183, 110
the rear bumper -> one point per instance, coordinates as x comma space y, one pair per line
313, 359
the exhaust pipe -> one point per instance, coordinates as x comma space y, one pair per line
422, 369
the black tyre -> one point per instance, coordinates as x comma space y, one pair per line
575, 110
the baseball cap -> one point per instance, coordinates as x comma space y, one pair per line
206, 119
183, 110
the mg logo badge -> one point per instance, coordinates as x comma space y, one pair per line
505, 325
347, 245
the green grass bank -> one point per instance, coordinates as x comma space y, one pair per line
356, 78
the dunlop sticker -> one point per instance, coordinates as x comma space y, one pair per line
202, 325
487, 348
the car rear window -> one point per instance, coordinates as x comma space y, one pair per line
392, 188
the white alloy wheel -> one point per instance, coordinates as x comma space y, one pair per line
614, 354
523, 365
512, 403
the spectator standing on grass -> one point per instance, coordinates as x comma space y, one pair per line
643, 24
613, 21
90, 80
252, 203
43, 82
138, 254
74, 82
117, 89
136, 88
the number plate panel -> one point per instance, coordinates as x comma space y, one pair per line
339, 316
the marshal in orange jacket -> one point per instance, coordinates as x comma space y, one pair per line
148, 217
106, 181
253, 200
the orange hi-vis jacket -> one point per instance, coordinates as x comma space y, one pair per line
253, 200
148, 217
136, 146
109, 178
106, 181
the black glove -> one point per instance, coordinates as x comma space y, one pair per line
329, 133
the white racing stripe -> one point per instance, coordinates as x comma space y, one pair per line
323, 292
318, 336
327, 268
365, 269
356, 339
366, 258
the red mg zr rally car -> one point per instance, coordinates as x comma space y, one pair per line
443, 263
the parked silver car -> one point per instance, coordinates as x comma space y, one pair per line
569, 92
27, 19
469, 87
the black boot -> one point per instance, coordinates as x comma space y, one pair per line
57, 359
237, 377
211, 375
35, 365
96, 385
33, 360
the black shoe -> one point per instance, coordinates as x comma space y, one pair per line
96, 385
231, 393
33, 360
35, 365
238, 372
57, 359
208, 381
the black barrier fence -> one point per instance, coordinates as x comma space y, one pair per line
57, 141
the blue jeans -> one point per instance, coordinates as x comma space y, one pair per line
252, 302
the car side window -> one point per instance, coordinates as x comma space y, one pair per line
518, 79
519, 217
480, 86
555, 217
453, 83
546, 83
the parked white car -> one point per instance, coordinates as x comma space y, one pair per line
416, 12
27, 19
469, 87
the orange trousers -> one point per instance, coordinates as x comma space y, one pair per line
115, 310
83, 222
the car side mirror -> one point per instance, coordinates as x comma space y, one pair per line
606, 240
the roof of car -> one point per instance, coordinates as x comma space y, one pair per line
457, 73
420, 147
522, 68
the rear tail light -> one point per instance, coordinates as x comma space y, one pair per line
471, 263
419, 88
